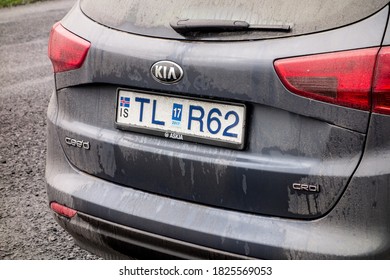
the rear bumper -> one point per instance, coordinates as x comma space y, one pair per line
114, 241
119, 220
143, 225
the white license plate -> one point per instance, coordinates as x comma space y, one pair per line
194, 120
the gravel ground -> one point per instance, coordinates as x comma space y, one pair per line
27, 228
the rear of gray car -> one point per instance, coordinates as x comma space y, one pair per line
222, 129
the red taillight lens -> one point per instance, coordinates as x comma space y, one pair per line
66, 50
381, 89
63, 210
342, 78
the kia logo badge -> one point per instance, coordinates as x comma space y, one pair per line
166, 72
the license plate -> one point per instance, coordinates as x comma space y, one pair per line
195, 120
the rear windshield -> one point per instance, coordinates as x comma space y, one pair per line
153, 17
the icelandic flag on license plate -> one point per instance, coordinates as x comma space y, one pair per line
125, 102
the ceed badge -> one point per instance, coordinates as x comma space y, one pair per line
166, 72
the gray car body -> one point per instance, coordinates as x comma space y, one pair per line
139, 194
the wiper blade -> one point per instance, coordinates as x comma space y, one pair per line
183, 26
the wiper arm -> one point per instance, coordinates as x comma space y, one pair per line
183, 26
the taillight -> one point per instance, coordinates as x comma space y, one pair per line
67, 51
381, 89
63, 210
342, 78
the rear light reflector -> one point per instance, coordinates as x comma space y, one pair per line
63, 210
381, 89
342, 78
67, 51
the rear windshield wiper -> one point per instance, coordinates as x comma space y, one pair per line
183, 26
